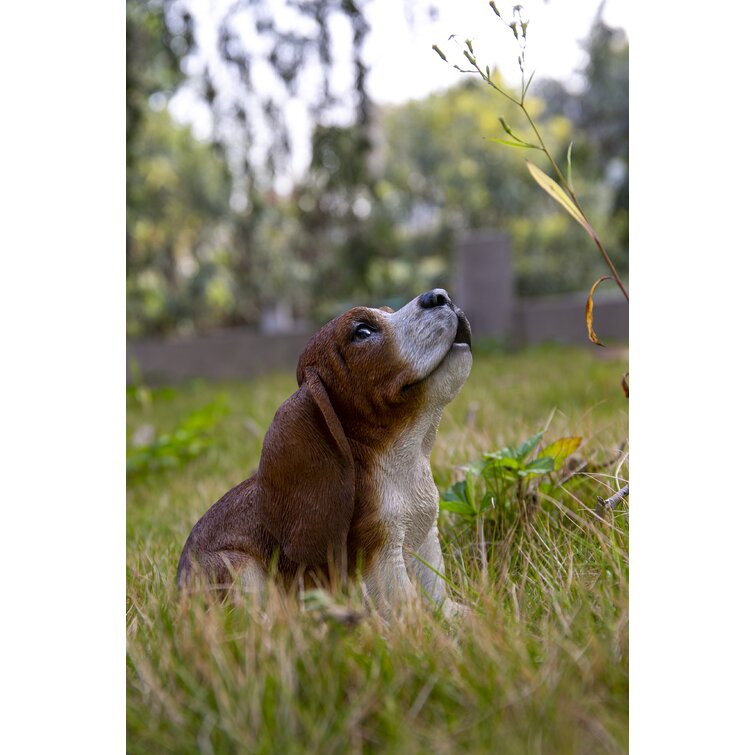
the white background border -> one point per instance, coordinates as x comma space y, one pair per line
62, 308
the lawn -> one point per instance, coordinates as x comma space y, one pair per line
539, 665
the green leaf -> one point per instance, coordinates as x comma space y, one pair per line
568, 166
525, 448
505, 126
501, 453
459, 492
455, 499
554, 190
561, 449
521, 145
474, 467
505, 468
541, 465
188, 440
505, 462
456, 507
456, 492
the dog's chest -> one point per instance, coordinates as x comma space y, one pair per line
408, 497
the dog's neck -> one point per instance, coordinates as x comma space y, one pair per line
408, 456
430, 424
407, 495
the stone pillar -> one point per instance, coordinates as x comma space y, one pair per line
485, 283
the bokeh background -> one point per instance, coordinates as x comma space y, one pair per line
289, 159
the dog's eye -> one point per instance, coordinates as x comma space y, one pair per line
363, 331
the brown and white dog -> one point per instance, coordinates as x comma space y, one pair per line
344, 484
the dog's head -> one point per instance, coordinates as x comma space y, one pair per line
364, 378
377, 364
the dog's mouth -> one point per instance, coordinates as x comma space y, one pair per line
463, 331
462, 342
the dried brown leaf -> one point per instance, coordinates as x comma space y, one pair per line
588, 311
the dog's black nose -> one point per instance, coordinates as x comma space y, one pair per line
435, 298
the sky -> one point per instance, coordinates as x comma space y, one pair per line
402, 64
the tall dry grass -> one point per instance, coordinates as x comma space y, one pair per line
538, 666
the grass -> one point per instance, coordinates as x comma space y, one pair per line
539, 666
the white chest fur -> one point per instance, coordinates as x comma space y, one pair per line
411, 561
408, 499
408, 495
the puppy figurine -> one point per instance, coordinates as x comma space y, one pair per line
344, 485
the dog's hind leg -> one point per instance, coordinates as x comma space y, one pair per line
222, 570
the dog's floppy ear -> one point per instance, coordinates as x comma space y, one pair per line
306, 476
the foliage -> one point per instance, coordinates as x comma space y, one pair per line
171, 450
561, 189
177, 225
156, 34
179, 278
250, 40
292, 50
389, 230
540, 663
375, 217
441, 175
489, 481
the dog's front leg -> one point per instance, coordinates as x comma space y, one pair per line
387, 582
428, 568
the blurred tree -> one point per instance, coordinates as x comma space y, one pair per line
177, 221
268, 55
600, 113
441, 174
603, 104
353, 231
336, 200
604, 116
153, 67
374, 218
263, 55
439, 161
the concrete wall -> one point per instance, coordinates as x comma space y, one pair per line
484, 290
485, 282
224, 354
562, 319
